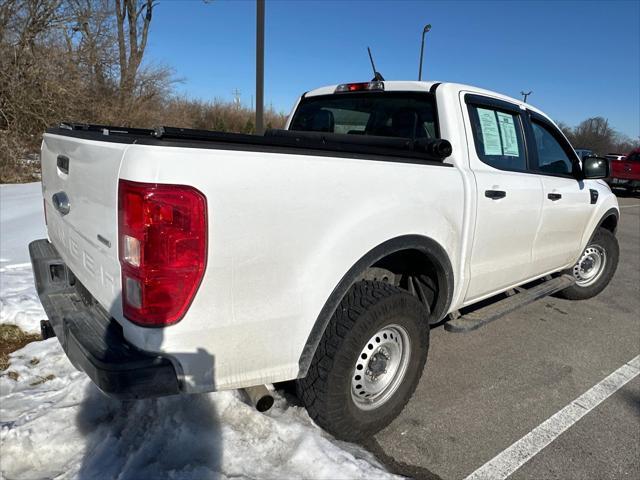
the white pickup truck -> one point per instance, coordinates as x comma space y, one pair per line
186, 261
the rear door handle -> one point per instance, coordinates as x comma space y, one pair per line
554, 196
495, 194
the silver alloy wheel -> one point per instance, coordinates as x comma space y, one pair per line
590, 266
380, 367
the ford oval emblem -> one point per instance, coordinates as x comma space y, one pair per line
61, 203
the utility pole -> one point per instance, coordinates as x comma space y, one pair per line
259, 67
525, 95
425, 30
236, 97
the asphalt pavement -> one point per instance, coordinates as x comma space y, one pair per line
484, 390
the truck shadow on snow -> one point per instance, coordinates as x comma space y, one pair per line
151, 438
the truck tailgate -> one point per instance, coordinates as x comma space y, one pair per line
85, 172
625, 169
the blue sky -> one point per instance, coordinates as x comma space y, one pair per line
581, 59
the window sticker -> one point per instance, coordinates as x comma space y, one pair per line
490, 134
508, 132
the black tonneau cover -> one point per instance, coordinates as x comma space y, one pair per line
421, 150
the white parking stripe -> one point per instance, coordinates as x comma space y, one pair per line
629, 206
511, 459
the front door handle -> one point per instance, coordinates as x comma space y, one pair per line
554, 196
495, 194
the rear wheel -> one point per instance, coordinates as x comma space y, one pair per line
595, 268
368, 362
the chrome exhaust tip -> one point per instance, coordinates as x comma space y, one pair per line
260, 396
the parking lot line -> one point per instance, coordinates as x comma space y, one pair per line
629, 206
511, 459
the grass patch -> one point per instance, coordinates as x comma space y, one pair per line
41, 380
12, 338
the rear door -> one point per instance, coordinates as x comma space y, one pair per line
508, 200
566, 201
83, 174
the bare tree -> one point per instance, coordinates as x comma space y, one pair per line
566, 129
36, 18
90, 39
133, 18
596, 134
7, 13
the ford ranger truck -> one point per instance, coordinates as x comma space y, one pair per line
184, 261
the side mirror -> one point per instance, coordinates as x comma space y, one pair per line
595, 167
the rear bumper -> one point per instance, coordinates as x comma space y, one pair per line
92, 340
624, 182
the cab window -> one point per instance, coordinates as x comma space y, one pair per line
498, 137
552, 157
387, 114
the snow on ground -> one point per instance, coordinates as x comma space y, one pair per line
19, 304
54, 423
21, 220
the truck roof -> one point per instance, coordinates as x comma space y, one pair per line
425, 86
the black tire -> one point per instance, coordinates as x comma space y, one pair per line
604, 239
326, 391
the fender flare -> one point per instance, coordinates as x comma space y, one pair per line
612, 212
429, 247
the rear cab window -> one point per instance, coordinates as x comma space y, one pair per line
386, 114
497, 133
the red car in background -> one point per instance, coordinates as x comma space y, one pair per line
625, 172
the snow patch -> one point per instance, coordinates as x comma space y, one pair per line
21, 221
56, 424
19, 303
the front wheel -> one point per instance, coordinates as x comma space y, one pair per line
595, 268
368, 362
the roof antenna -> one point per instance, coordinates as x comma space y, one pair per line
525, 95
377, 77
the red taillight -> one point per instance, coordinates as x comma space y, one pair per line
162, 250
